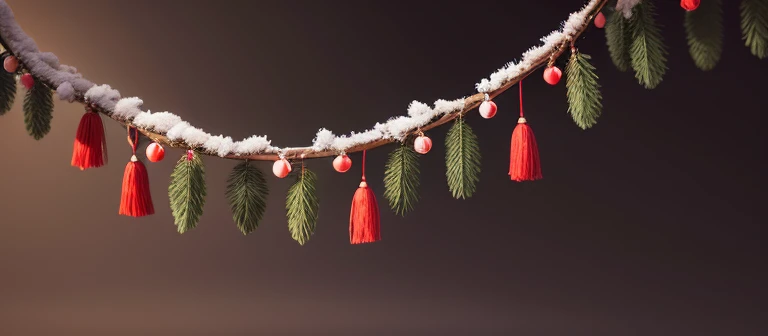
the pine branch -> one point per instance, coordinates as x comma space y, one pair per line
647, 52
584, 97
401, 179
754, 26
704, 29
301, 206
247, 194
618, 38
38, 110
462, 160
7, 91
187, 192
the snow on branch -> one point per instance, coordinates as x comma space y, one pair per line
71, 86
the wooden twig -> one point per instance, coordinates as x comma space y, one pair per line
470, 103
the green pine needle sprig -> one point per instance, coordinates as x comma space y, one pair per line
462, 160
38, 110
754, 26
302, 205
401, 179
704, 30
7, 91
583, 92
187, 192
247, 193
647, 52
619, 38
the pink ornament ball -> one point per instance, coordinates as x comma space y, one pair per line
487, 109
342, 163
690, 5
11, 63
155, 152
552, 75
422, 144
281, 168
27, 81
600, 20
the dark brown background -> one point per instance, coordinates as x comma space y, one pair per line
649, 224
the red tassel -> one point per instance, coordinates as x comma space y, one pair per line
364, 220
90, 149
524, 163
136, 199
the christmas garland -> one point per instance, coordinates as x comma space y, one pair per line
634, 43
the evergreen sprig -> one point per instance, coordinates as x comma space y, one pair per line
7, 91
618, 38
247, 193
401, 179
462, 160
647, 52
38, 110
187, 192
301, 205
754, 26
583, 91
704, 29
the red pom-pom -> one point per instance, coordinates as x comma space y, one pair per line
422, 144
552, 75
342, 163
487, 109
600, 20
11, 63
364, 219
524, 163
155, 152
281, 168
90, 149
690, 5
136, 200
27, 81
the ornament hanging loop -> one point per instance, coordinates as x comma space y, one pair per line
133, 140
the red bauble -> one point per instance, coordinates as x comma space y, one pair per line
487, 109
155, 152
552, 75
600, 20
281, 168
342, 163
690, 5
422, 144
11, 63
27, 81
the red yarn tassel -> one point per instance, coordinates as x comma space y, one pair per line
364, 220
136, 200
90, 149
524, 163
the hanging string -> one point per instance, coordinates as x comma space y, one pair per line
131, 141
520, 84
364, 164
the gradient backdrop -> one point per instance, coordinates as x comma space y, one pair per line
652, 223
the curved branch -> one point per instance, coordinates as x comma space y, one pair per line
45, 67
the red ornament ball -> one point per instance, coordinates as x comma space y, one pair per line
11, 63
342, 163
422, 144
600, 20
27, 81
155, 152
552, 75
281, 168
487, 109
690, 5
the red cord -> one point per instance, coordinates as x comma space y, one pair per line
364, 165
520, 84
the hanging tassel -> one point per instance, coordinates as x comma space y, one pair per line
90, 149
364, 220
136, 200
524, 164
